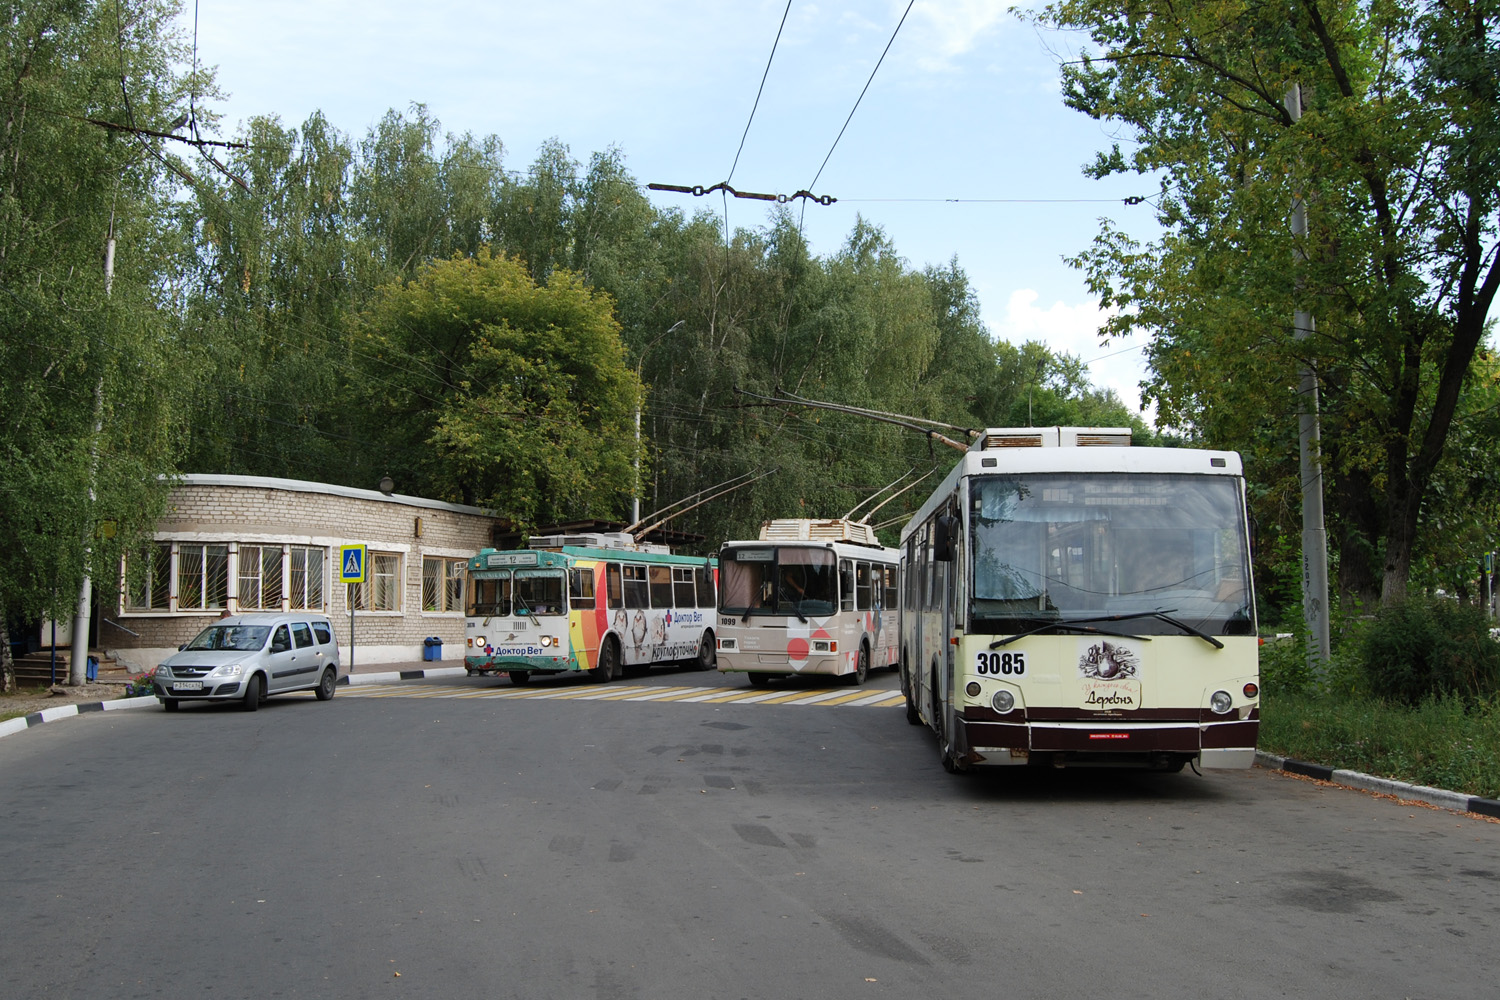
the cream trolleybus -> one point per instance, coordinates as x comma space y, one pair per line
1071, 600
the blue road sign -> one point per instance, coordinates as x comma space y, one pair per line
352, 564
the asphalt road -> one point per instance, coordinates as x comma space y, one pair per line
435, 840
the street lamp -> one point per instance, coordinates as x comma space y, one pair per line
387, 484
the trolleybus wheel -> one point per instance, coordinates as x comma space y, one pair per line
913, 717
520, 678
861, 668
608, 660
758, 679
705, 660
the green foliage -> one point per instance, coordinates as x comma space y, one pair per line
1441, 742
531, 401
1393, 157
1419, 649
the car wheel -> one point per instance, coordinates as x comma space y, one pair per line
328, 684
255, 693
170, 704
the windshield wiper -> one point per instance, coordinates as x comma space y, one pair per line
797, 610
1078, 625
526, 608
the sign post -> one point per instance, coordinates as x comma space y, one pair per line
352, 566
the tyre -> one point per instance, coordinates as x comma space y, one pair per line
255, 693
913, 717
520, 678
327, 684
706, 658
758, 679
608, 667
170, 704
861, 668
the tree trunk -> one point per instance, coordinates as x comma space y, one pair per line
7, 665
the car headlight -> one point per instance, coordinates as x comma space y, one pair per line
1221, 702
162, 670
228, 670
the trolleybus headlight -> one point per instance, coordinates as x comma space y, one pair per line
1221, 702
1252, 690
726, 643
972, 689
1003, 701
822, 646
546, 641
478, 640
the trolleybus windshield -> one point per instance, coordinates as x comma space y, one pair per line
489, 594
1168, 551
540, 591
779, 580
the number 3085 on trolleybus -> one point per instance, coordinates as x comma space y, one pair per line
600, 604
810, 597
1073, 600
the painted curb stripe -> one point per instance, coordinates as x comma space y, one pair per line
1439, 797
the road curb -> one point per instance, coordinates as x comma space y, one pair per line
1439, 797
25, 722
68, 711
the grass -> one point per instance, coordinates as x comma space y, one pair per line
1441, 742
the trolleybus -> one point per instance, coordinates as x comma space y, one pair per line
1072, 600
600, 604
808, 597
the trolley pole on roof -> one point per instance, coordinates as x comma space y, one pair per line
1309, 445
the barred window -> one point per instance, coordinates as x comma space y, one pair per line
305, 579
381, 590
148, 578
260, 577
442, 584
202, 576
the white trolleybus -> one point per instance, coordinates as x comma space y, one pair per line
809, 597
600, 604
1072, 600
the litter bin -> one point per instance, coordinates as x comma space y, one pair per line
432, 648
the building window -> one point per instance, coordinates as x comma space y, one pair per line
305, 579
260, 577
202, 576
381, 590
442, 584
149, 579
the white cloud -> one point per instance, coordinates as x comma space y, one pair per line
1074, 329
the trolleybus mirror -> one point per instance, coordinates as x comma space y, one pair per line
945, 539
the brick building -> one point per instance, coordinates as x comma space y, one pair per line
249, 543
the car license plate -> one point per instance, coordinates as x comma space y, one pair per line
187, 685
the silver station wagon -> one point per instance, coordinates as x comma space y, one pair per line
245, 658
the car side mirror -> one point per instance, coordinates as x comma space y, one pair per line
181, 646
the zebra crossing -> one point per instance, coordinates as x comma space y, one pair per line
859, 698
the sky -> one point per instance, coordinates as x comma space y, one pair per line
960, 147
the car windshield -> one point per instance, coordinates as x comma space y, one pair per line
246, 638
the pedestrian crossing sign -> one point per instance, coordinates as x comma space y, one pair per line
352, 564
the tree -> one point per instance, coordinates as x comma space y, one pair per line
531, 401
93, 377
1394, 157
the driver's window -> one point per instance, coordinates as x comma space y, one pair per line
281, 641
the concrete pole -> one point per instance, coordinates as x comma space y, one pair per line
78, 655
1309, 445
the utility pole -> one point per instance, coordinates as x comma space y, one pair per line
1309, 446
78, 657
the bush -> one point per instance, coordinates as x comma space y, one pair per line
1283, 666
1422, 649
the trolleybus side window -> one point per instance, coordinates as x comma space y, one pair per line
636, 594
581, 587
704, 579
615, 593
846, 585
661, 585
862, 585
683, 592
891, 589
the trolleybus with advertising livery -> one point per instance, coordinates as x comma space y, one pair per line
808, 597
600, 604
1073, 600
